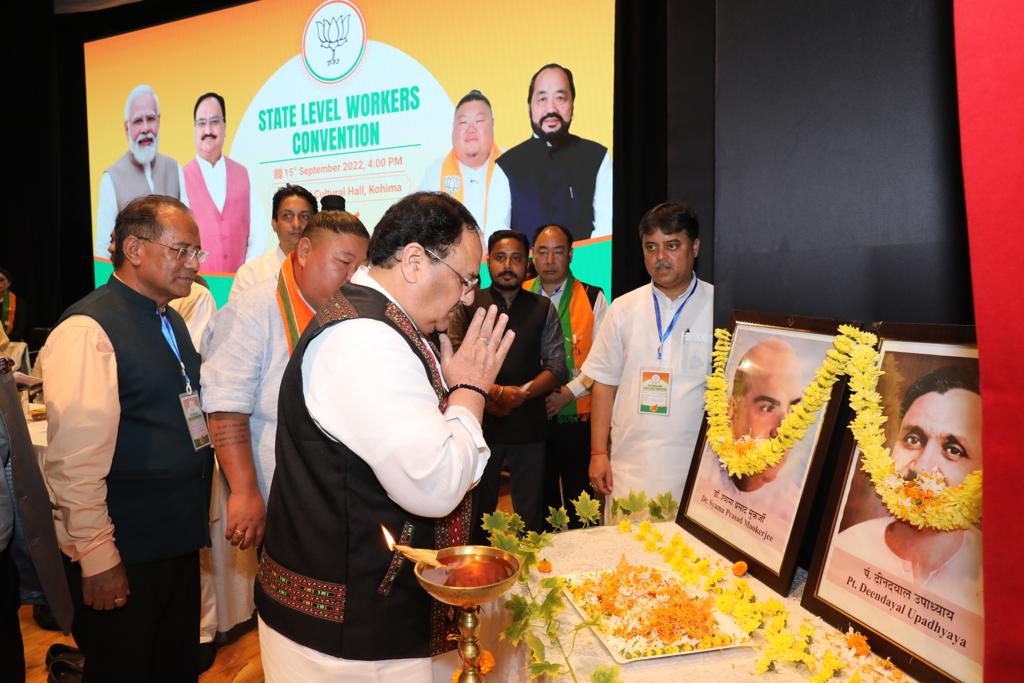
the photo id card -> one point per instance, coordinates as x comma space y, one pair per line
195, 419
655, 390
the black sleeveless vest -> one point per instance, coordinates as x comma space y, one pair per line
326, 579
158, 489
529, 312
553, 184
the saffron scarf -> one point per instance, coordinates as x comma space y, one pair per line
453, 184
295, 312
577, 319
7, 308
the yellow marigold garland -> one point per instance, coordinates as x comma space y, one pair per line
924, 502
752, 456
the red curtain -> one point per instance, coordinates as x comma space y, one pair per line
990, 85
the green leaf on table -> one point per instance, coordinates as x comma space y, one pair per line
544, 669
506, 542
552, 582
536, 645
520, 610
655, 511
669, 505
558, 519
536, 541
552, 604
606, 674
502, 522
588, 510
634, 502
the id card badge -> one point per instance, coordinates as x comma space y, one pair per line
655, 391
195, 419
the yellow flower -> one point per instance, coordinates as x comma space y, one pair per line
625, 526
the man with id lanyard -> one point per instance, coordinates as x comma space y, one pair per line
129, 458
648, 364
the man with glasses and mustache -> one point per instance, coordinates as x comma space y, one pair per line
129, 461
516, 423
557, 177
649, 363
377, 428
141, 170
231, 223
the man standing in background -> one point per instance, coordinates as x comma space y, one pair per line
231, 224
557, 177
141, 170
292, 208
649, 363
581, 307
468, 172
516, 425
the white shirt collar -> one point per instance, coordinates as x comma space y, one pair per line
211, 167
663, 298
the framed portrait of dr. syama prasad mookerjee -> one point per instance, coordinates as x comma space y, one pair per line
758, 512
898, 555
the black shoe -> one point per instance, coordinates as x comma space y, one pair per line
44, 618
66, 653
61, 671
207, 653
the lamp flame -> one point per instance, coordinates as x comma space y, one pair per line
388, 538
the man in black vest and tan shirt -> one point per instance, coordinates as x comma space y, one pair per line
129, 461
516, 424
377, 428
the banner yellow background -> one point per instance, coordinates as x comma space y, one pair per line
492, 46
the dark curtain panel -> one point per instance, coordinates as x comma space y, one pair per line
638, 156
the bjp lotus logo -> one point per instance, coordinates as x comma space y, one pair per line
333, 33
335, 28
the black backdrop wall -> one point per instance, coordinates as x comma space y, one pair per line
817, 141
837, 185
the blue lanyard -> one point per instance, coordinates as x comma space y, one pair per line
165, 327
662, 336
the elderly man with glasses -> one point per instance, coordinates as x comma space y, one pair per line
129, 458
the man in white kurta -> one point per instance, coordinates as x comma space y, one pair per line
245, 351
292, 208
635, 447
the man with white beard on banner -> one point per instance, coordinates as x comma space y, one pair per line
141, 170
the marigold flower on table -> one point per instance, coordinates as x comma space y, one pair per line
740, 568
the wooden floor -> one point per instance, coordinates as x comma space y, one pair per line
238, 662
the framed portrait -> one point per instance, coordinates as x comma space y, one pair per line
761, 518
916, 592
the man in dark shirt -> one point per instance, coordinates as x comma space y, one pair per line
557, 177
515, 425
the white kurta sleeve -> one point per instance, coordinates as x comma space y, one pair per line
365, 387
603, 198
605, 362
182, 192
106, 215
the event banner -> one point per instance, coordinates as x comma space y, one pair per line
357, 98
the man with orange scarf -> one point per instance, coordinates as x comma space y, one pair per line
245, 351
581, 307
468, 171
